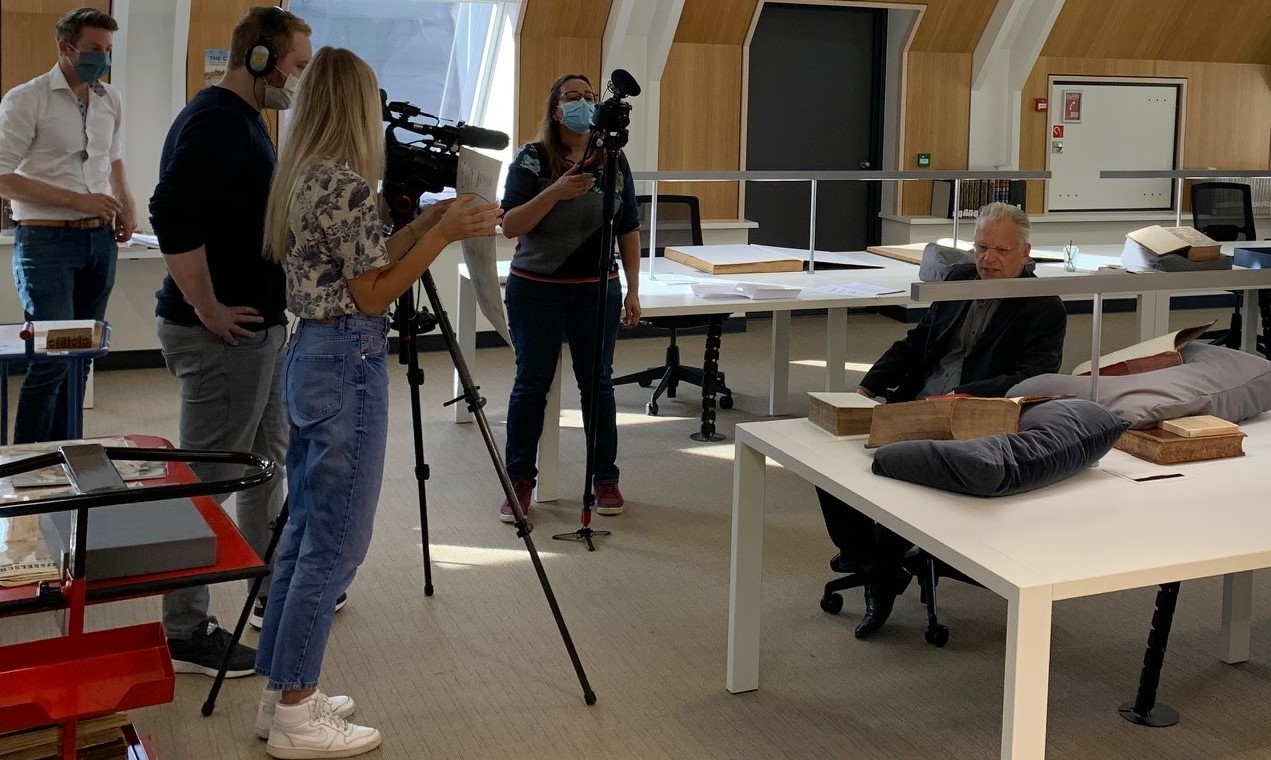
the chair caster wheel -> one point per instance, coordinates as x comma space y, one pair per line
938, 636
832, 603
726, 402
651, 409
646, 383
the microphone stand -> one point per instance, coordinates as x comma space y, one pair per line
611, 142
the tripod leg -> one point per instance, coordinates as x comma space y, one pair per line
275, 535
409, 355
523, 529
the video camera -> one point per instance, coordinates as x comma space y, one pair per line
429, 164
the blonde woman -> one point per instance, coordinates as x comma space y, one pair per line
342, 276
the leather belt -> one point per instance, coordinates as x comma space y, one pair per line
90, 223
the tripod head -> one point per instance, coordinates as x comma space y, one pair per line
613, 116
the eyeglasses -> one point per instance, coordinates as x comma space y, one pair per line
983, 250
574, 97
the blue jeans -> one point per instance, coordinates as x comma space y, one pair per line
335, 391
60, 273
540, 316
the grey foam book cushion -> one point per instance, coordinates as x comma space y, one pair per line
1229, 384
1136, 258
1056, 439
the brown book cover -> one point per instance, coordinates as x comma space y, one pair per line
1153, 354
945, 418
841, 413
1163, 447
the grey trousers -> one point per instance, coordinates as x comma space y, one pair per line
229, 401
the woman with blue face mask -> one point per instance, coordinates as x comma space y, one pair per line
552, 205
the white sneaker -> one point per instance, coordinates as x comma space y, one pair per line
311, 729
343, 707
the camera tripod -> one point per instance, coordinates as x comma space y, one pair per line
411, 322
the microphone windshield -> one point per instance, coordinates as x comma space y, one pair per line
623, 83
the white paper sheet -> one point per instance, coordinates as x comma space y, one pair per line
856, 289
479, 174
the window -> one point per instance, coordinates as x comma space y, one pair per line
451, 59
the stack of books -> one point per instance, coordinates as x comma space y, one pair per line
1186, 439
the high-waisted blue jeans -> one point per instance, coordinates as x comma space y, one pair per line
335, 391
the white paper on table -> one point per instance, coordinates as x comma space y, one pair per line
856, 289
478, 174
149, 241
756, 291
1132, 468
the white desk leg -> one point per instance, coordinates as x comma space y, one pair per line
779, 383
466, 335
745, 580
1251, 322
1027, 675
1153, 315
1237, 610
548, 488
835, 350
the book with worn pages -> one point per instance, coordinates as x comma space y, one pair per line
946, 418
1200, 426
1163, 447
95, 738
734, 259
841, 413
1185, 241
1154, 354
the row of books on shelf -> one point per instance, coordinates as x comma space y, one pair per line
975, 193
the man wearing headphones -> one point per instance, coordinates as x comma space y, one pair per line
220, 310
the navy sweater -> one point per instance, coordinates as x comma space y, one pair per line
214, 176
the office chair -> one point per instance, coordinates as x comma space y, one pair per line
1224, 212
926, 568
679, 223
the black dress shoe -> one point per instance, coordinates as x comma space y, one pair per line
880, 599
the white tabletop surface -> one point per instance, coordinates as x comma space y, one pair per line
1092, 533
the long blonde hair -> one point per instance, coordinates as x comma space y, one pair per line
336, 116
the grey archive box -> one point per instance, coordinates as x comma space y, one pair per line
136, 539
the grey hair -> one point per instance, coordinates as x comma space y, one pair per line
1005, 212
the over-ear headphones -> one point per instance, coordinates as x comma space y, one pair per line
262, 56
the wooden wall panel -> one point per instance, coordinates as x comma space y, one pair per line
1227, 113
211, 24
1229, 31
716, 22
700, 128
952, 26
541, 62
555, 37
27, 47
937, 120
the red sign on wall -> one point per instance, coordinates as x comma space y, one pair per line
1057, 132
1072, 106
1039, 104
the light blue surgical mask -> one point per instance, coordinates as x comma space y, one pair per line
92, 65
577, 116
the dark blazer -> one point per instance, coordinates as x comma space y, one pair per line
1024, 338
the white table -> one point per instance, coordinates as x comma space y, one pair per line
1091, 534
667, 293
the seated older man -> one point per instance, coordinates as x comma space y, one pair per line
980, 348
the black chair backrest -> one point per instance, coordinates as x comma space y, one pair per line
679, 221
1223, 210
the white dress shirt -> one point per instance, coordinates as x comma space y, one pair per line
43, 136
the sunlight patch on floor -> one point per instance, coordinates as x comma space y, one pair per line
450, 555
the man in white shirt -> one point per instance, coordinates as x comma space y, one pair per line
60, 165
